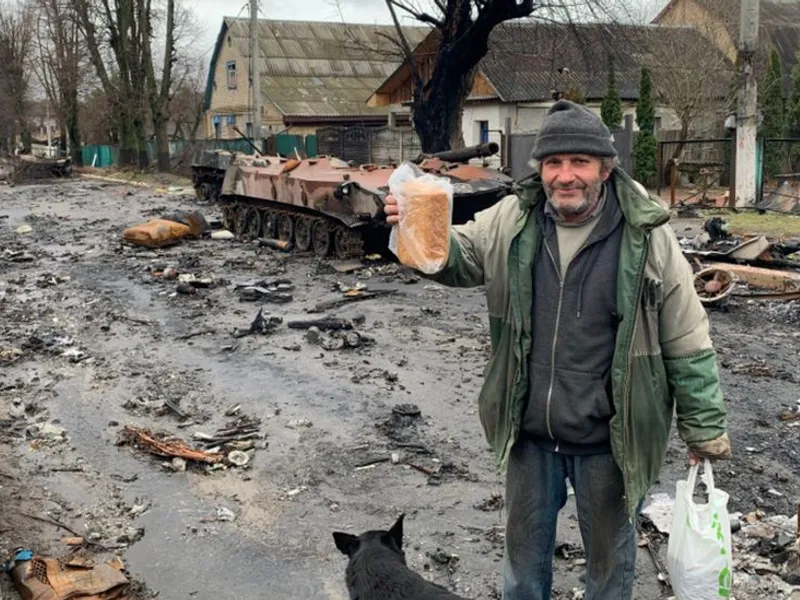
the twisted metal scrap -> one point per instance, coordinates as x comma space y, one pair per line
170, 449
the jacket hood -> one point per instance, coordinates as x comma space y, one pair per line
641, 210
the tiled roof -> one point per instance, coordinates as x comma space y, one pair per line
529, 61
316, 69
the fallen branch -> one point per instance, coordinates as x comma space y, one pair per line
168, 449
188, 336
336, 302
120, 317
62, 526
373, 461
421, 469
325, 324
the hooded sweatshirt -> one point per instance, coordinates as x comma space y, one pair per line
574, 324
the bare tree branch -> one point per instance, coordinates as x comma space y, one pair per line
403, 42
420, 16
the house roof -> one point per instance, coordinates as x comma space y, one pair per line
529, 61
317, 69
779, 22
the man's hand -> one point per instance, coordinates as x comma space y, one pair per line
717, 449
391, 209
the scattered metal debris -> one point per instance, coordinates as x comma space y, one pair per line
266, 291
260, 324
764, 284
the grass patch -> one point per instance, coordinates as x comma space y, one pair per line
750, 222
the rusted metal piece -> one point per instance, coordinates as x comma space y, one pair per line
765, 284
165, 448
714, 284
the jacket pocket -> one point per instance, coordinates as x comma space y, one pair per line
580, 407
534, 421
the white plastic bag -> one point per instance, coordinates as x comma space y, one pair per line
422, 238
699, 551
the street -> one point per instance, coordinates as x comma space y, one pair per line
97, 335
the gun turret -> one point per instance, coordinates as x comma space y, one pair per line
463, 154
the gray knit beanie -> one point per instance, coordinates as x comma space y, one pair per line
570, 128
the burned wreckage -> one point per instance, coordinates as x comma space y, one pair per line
326, 205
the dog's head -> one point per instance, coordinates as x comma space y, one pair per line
350, 544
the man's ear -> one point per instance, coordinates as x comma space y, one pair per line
396, 532
346, 543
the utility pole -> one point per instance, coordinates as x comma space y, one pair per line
747, 105
255, 75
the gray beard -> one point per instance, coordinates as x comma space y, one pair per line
590, 195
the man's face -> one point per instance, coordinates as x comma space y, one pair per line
573, 181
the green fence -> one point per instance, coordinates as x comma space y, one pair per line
285, 144
100, 156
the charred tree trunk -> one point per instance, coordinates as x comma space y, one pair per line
73, 131
158, 95
676, 154
463, 30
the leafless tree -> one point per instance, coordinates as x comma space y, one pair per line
134, 46
59, 66
112, 31
186, 103
158, 90
692, 78
691, 74
16, 40
443, 78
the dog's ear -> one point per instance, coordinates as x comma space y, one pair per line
346, 543
396, 532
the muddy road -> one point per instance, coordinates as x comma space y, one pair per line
96, 335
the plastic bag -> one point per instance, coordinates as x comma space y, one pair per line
422, 238
699, 552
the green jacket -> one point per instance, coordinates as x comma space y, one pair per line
663, 359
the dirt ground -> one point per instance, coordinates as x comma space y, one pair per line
95, 337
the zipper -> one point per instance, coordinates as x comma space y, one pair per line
555, 341
555, 334
629, 364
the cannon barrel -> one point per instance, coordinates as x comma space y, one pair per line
463, 154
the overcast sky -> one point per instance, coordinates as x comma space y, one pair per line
211, 12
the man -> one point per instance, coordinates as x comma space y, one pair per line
597, 337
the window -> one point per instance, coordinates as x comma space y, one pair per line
483, 127
231, 120
248, 130
230, 69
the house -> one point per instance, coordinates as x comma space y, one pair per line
530, 64
312, 74
718, 20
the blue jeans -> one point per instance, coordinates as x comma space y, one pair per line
535, 493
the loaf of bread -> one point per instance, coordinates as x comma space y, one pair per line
423, 234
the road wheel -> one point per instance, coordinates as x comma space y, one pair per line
253, 224
269, 224
321, 238
285, 228
303, 234
229, 217
240, 222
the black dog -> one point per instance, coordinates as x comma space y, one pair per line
377, 568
